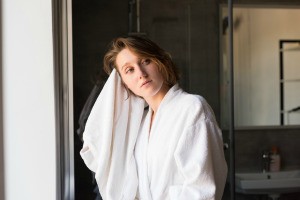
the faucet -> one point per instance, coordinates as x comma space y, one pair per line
266, 161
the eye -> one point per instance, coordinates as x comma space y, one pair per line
145, 61
129, 70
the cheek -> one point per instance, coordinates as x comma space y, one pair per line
158, 74
125, 82
129, 83
155, 71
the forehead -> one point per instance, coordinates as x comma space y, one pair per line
125, 53
125, 56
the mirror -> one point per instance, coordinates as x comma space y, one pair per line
266, 66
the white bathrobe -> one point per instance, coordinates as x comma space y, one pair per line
182, 157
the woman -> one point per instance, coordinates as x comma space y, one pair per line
178, 150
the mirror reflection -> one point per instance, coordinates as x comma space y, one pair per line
266, 67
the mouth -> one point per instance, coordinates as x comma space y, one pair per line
146, 82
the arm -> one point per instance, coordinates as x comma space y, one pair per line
200, 159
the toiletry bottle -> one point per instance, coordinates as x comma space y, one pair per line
274, 160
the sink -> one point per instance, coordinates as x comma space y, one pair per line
268, 182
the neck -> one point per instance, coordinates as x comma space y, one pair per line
155, 101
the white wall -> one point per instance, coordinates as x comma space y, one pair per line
256, 64
28, 100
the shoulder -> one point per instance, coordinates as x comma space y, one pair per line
195, 106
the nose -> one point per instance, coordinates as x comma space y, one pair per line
142, 72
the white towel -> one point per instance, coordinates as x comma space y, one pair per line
109, 139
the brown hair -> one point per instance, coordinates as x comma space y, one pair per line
145, 48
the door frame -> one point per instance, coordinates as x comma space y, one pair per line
63, 83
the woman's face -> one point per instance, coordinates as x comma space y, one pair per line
140, 75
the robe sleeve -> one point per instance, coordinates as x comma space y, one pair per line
200, 158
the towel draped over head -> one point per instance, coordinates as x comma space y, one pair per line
109, 139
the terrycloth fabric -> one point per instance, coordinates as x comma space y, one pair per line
109, 139
182, 158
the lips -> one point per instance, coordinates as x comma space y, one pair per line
144, 83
